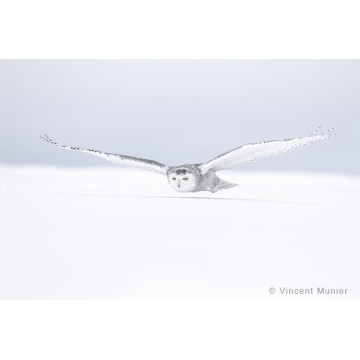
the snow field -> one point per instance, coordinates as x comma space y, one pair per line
115, 233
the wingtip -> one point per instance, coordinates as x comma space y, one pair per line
316, 131
45, 138
325, 134
329, 135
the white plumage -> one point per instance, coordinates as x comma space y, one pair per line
202, 177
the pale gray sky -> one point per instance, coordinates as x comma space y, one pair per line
179, 111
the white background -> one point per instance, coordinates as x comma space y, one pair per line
180, 111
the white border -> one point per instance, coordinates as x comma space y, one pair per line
179, 30
179, 330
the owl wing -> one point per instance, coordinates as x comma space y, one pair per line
118, 159
251, 152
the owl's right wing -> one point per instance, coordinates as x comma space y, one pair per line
251, 152
117, 159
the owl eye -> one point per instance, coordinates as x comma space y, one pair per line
174, 178
186, 179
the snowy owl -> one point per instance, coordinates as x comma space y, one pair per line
202, 177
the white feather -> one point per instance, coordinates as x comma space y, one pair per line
251, 152
117, 159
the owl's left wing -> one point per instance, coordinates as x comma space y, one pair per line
251, 152
117, 159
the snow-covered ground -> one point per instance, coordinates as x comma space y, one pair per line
115, 233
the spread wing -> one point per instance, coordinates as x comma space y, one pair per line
117, 159
251, 152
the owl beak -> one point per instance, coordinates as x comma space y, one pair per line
178, 183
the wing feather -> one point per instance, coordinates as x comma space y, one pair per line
117, 159
251, 152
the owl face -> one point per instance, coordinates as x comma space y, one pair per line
182, 180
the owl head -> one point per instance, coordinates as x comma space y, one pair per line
182, 179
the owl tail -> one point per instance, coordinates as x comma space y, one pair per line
223, 185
